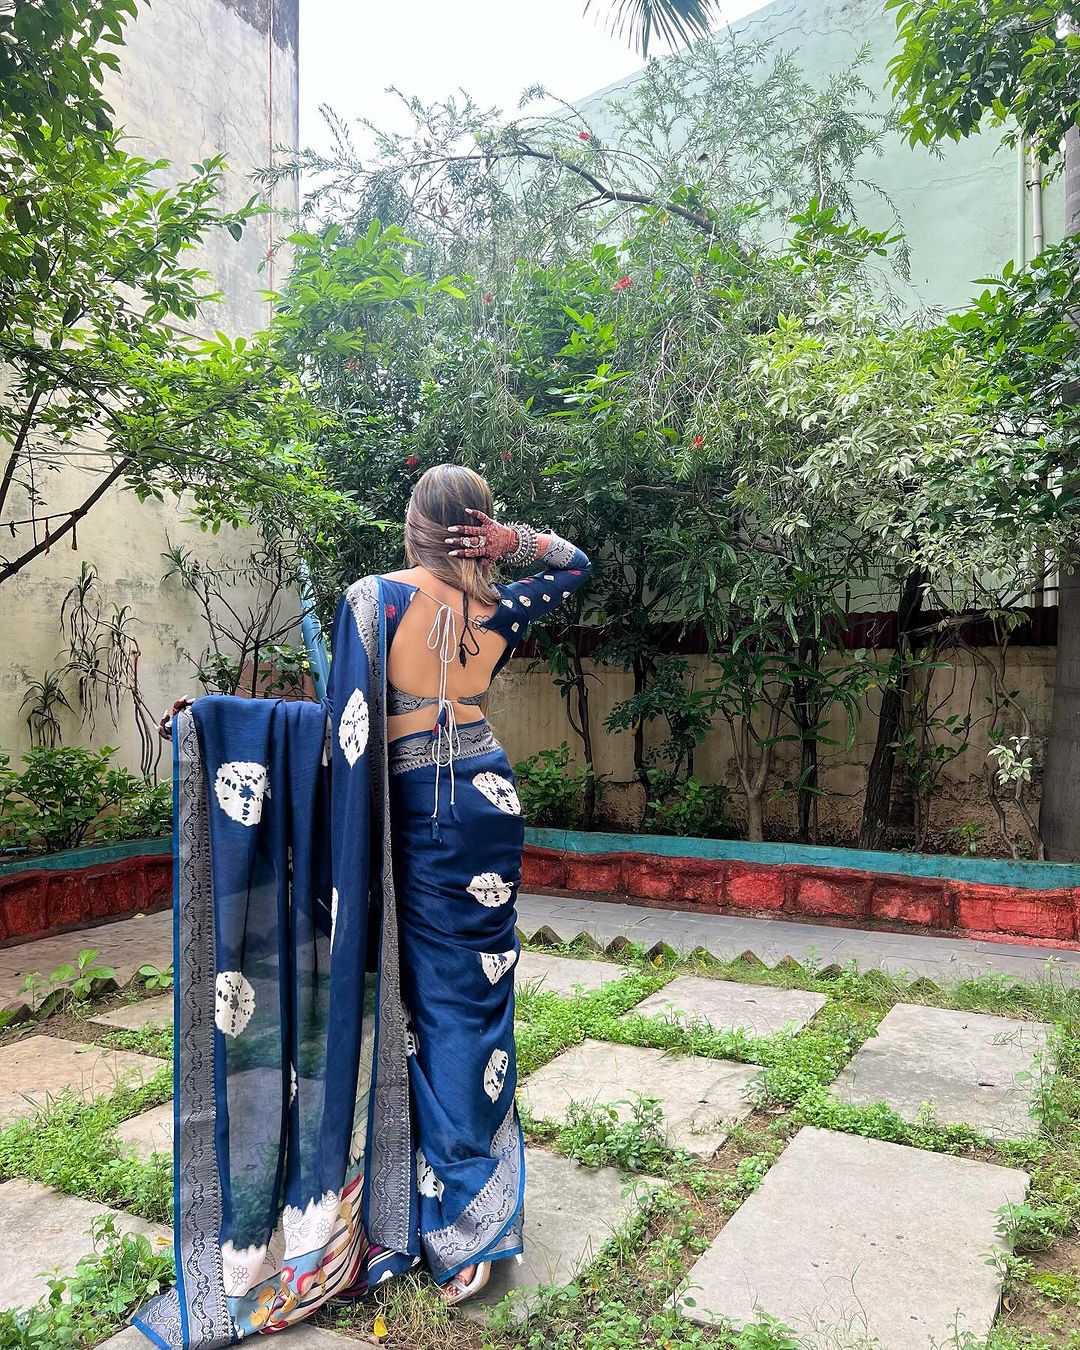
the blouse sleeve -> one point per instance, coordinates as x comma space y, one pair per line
564, 569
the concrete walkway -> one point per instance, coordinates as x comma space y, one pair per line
726, 936
849, 1240
128, 943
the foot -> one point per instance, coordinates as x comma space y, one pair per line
467, 1282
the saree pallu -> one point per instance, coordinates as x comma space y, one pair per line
344, 1061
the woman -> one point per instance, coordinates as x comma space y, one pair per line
321, 1149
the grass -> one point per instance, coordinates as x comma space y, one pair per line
627, 1297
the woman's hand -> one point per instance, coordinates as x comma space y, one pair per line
486, 541
165, 721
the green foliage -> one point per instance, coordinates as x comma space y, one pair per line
97, 289
118, 1276
686, 807
1007, 63
597, 1137
73, 1146
549, 794
68, 795
153, 978
676, 21
80, 981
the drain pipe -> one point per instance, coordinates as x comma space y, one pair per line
1036, 204
1021, 204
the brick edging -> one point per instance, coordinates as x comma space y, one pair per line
713, 886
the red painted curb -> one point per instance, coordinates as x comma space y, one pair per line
830, 895
36, 903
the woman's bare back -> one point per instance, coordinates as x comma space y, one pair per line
413, 664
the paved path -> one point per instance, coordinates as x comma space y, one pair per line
847, 1238
772, 939
128, 943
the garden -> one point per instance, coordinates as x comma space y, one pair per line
833, 621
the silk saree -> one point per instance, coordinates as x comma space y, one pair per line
344, 1071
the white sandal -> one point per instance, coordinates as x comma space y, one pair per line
456, 1292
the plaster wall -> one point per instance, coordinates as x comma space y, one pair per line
198, 78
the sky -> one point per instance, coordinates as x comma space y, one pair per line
351, 50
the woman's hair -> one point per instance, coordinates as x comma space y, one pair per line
443, 496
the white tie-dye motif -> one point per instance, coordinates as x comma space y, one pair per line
240, 787
234, 1002
499, 791
427, 1183
495, 1073
496, 964
490, 890
353, 727
333, 916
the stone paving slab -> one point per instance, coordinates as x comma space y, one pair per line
153, 1013
124, 944
966, 1065
149, 1132
725, 1005
38, 1067
42, 1229
570, 1212
563, 974
727, 935
850, 1239
700, 1098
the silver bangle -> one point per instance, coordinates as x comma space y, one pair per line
526, 551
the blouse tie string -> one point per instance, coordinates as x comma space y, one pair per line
446, 741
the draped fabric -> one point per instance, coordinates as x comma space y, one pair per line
344, 1074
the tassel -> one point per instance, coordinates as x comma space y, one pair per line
74, 537
47, 545
436, 833
454, 812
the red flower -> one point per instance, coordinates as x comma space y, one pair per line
623, 284
698, 442
412, 461
584, 135
505, 456
352, 365
391, 611
488, 298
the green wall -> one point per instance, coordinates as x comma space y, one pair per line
960, 210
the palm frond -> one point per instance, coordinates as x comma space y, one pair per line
677, 21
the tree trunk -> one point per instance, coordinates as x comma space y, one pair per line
1059, 816
876, 808
755, 818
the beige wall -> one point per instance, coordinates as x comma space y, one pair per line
529, 715
199, 78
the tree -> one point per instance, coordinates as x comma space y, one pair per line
676, 21
960, 66
95, 284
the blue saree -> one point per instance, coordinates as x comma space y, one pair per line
344, 944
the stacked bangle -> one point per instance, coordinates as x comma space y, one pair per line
527, 550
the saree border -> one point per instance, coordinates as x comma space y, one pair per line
389, 1207
195, 1313
480, 1230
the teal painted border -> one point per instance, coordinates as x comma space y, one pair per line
74, 860
1026, 876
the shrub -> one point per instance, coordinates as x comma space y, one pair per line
68, 795
685, 807
549, 794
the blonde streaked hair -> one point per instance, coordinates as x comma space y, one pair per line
443, 496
